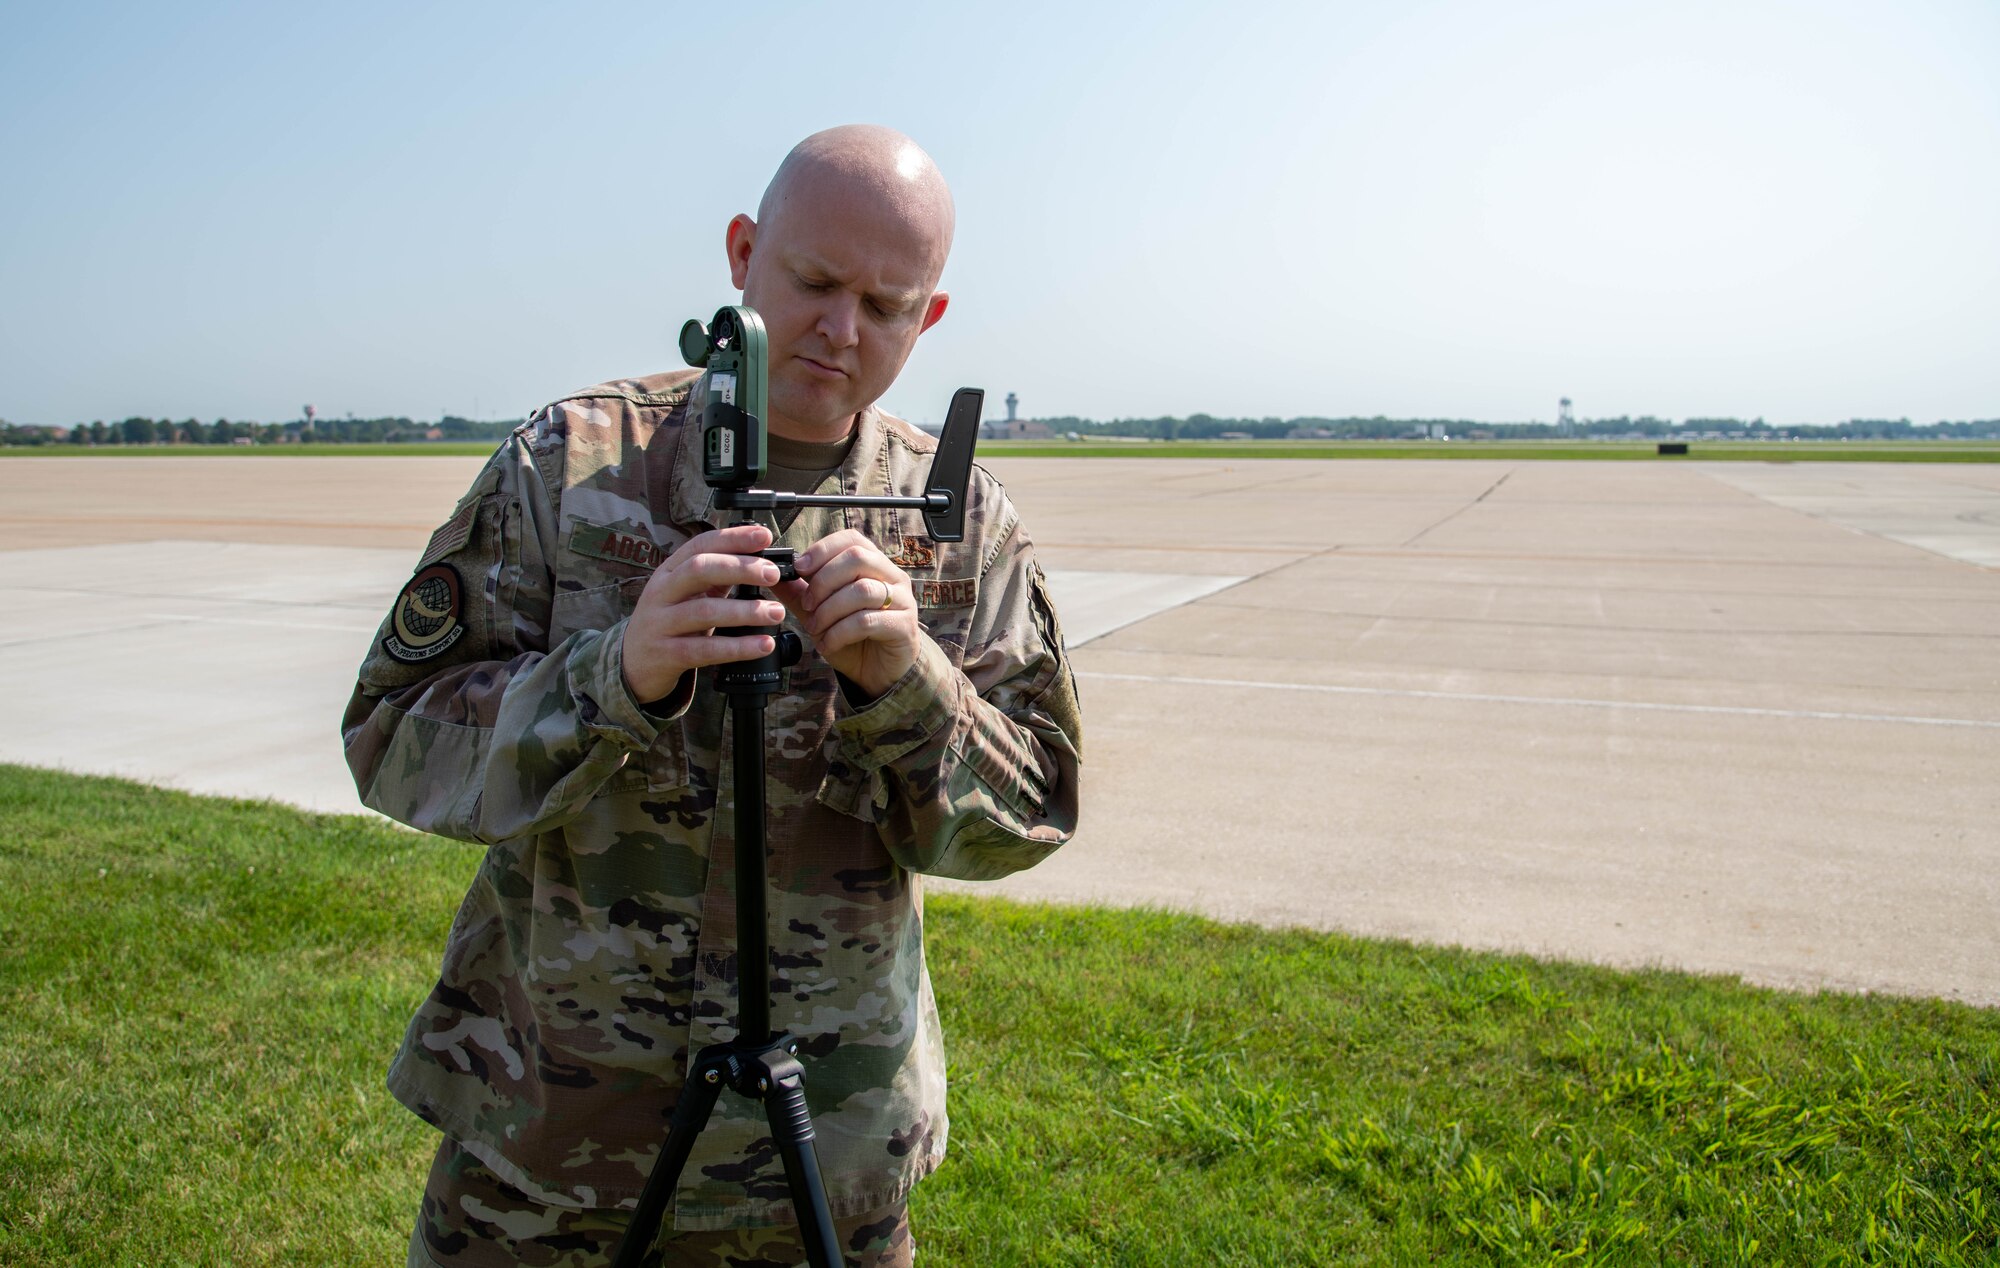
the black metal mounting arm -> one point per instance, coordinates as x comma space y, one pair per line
943, 501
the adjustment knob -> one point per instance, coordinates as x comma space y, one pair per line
783, 556
790, 650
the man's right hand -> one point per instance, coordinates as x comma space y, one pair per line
672, 628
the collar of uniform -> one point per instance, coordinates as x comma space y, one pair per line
865, 472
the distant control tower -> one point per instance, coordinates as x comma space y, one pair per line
1565, 421
1012, 401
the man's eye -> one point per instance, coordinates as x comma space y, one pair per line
810, 284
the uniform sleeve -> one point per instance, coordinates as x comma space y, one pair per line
972, 773
464, 722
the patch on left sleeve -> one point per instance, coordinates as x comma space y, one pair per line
429, 616
451, 535
456, 531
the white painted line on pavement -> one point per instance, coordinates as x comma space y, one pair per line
1572, 702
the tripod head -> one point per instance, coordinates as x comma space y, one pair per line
734, 350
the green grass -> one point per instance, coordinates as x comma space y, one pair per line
1503, 450
198, 998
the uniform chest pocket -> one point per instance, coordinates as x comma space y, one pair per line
665, 764
945, 605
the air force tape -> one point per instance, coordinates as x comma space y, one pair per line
427, 622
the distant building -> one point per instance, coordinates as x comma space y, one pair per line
1012, 428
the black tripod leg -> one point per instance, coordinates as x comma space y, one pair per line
706, 1076
792, 1132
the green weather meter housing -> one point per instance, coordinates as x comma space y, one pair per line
735, 352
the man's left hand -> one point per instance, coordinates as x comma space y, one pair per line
858, 609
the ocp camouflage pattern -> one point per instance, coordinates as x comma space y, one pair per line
470, 1218
596, 948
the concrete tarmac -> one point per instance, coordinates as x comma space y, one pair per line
1738, 718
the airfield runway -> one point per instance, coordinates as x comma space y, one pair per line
1729, 717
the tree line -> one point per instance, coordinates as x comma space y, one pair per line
190, 431
344, 431
1209, 427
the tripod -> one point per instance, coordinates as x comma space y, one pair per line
760, 1063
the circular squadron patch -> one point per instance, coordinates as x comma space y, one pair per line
427, 616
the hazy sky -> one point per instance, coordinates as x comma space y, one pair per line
1452, 209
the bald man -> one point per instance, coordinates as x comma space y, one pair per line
536, 687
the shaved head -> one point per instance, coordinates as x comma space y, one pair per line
842, 263
866, 162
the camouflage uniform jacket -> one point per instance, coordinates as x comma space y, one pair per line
596, 948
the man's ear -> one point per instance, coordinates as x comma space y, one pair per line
934, 310
736, 242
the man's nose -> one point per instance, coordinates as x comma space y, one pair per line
840, 321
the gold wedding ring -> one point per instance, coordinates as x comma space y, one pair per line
888, 595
